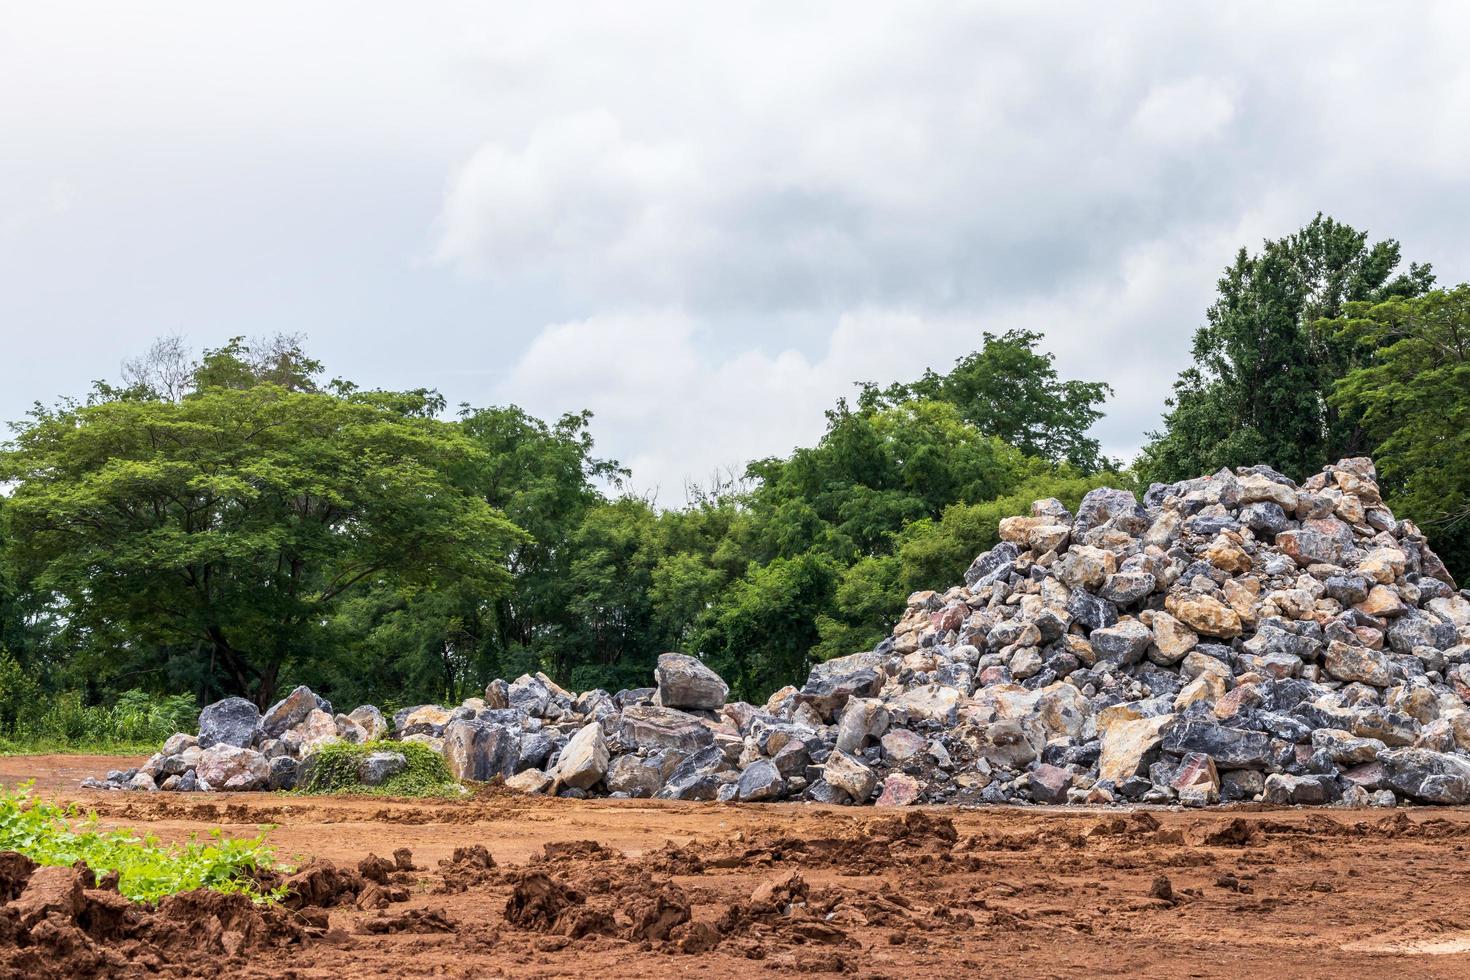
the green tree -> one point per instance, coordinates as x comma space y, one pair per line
1010, 390
1411, 392
545, 479
229, 526
1259, 389
877, 468
760, 636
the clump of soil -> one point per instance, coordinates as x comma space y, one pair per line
538, 900
321, 883
656, 914
57, 926
412, 921
465, 868
575, 850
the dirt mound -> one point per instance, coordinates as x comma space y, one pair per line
57, 926
856, 847
576, 850
411, 921
467, 867
656, 914
538, 900
15, 871
321, 883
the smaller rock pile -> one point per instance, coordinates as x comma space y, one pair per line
238, 748
1235, 637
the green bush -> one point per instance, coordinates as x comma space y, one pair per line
147, 869
19, 693
333, 769
137, 722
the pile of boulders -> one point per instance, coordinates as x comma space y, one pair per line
238, 748
1234, 637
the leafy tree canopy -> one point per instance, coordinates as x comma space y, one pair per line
1010, 390
1259, 389
234, 521
1411, 393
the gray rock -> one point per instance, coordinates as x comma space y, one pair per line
1124, 643
761, 780
822, 791
1346, 589
228, 722
1231, 748
1115, 508
1126, 588
685, 682
850, 775
283, 771
229, 767
371, 720
584, 760
1265, 518
142, 781
1430, 777
862, 719
377, 767
1091, 611
479, 751
1284, 790
529, 695
792, 759
535, 749
696, 778
633, 776
994, 565
657, 727
291, 711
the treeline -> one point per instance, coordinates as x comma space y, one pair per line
232, 523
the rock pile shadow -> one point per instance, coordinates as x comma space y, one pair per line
1237, 637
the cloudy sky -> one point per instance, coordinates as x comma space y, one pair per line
704, 222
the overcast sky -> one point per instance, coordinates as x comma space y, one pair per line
703, 222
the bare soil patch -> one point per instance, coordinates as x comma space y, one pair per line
503, 885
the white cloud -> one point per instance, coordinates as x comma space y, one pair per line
1186, 112
726, 214
674, 413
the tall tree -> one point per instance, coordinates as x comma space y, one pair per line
1011, 390
235, 521
1411, 392
1258, 391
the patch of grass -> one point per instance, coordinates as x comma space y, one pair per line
334, 767
137, 723
39, 746
147, 869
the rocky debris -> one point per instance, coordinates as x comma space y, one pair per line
232, 721
1234, 637
377, 767
685, 682
583, 762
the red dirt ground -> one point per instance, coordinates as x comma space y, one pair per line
650, 889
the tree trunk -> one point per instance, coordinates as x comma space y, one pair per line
265, 692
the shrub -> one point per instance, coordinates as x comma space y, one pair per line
147, 869
19, 693
333, 769
138, 721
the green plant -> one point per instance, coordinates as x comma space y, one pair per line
137, 722
147, 869
19, 692
334, 769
